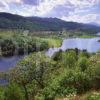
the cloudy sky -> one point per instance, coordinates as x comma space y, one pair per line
85, 11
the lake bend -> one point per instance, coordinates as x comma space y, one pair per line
89, 44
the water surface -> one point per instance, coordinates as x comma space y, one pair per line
91, 45
9, 62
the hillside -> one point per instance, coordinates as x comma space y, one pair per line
11, 21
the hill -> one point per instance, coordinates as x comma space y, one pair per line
12, 21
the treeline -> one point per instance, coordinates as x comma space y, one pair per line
38, 77
21, 44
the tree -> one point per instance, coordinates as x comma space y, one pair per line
69, 58
7, 47
13, 92
83, 63
36, 67
84, 54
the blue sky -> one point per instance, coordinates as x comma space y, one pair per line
84, 11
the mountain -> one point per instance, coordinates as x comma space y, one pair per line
12, 21
96, 24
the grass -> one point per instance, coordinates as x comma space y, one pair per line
87, 36
8, 33
5, 34
52, 41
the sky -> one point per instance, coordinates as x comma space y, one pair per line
82, 11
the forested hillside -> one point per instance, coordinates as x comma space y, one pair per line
11, 21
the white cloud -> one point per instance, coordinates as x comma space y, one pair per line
82, 19
47, 6
83, 12
80, 12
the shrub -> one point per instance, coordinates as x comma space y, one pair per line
69, 58
84, 54
7, 47
1, 93
97, 75
93, 96
13, 92
83, 63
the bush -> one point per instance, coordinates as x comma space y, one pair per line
7, 47
93, 96
83, 63
69, 58
97, 76
13, 92
84, 54
67, 82
1, 93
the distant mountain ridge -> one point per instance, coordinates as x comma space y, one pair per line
12, 21
96, 24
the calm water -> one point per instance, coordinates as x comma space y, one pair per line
7, 63
91, 45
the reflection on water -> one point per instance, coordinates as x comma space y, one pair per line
91, 45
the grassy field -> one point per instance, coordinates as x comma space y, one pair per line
52, 41
6, 34
87, 36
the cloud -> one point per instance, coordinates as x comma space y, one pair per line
85, 12
82, 19
47, 6
31, 2
60, 10
2, 5
10, 1
70, 10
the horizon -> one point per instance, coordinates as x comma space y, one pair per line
81, 11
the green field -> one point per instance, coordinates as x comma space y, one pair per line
53, 42
87, 36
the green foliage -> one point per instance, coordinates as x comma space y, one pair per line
67, 82
83, 63
13, 92
44, 78
93, 96
84, 54
97, 70
57, 56
96, 76
69, 58
39, 97
7, 47
36, 67
10, 21
1, 93
20, 44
